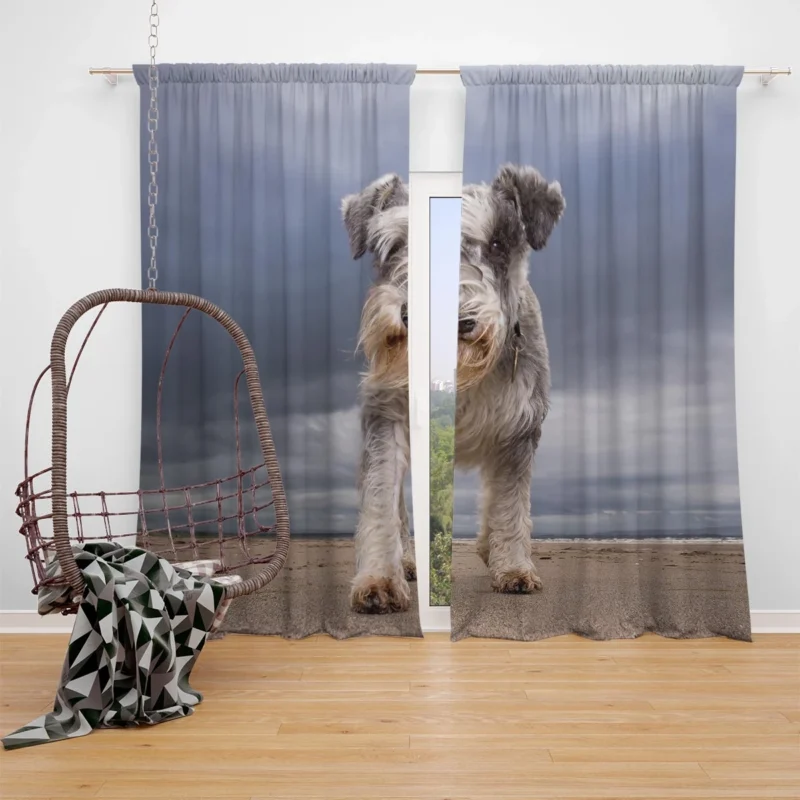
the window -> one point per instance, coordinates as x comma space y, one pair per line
434, 244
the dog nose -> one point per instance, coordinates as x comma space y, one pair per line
404, 314
465, 326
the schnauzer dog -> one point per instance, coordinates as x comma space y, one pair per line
503, 376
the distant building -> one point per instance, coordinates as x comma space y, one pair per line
439, 385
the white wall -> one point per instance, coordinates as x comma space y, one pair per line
70, 201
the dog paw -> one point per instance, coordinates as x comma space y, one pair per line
372, 595
517, 581
410, 569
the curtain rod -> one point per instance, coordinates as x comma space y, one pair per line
767, 74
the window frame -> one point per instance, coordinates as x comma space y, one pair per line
423, 188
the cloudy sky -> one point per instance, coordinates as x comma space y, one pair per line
250, 188
636, 288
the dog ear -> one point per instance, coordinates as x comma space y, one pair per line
540, 204
359, 209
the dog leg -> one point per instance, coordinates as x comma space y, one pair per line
508, 525
409, 562
380, 585
484, 531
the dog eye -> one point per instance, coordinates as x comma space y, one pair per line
393, 250
496, 245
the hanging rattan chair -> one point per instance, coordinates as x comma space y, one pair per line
177, 531
241, 500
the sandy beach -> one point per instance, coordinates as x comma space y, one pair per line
602, 590
608, 590
311, 594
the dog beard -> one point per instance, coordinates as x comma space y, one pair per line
477, 355
384, 338
479, 349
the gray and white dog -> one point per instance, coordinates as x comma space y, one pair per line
503, 376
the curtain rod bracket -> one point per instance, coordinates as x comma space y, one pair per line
111, 75
768, 77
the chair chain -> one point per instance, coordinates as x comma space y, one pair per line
152, 148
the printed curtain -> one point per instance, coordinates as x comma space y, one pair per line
596, 322
273, 182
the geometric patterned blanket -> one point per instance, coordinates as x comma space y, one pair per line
139, 629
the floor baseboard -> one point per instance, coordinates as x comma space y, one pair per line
31, 622
775, 621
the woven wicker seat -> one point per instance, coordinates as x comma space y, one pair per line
222, 518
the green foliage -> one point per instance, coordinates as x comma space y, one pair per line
441, 483
441, 559
443, 408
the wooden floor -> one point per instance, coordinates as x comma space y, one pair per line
377, 718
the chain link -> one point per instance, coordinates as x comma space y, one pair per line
152, 147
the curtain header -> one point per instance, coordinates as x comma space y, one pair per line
588, 74
397, 75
